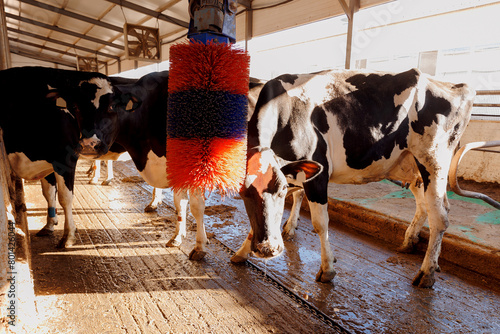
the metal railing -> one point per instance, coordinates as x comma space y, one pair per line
480, 95
452, 175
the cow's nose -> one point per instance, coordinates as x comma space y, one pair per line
90, 146
268, 249
90, 142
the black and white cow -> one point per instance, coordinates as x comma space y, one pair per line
143, 134
49, 117
351, 127
118, 153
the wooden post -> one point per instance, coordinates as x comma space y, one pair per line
5, 61
4, 240
15, 253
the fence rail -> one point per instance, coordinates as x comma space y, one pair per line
494, 95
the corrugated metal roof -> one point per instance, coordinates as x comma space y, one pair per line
58, 31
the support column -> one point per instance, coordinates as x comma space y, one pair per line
5, 61
349, 10
248, 26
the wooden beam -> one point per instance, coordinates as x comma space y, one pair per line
55, 41
73, 15
150, 12
64, 31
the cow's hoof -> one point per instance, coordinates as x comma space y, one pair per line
66, 243
106, 182
94, 182
150, 208
197, 255
423, 280
288, 235
44, 232
173, 243
406, 249
409, 246
238, 259
325, 277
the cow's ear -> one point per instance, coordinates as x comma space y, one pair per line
125, 101
309, 168
133, 103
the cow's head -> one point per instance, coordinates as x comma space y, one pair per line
264, 192
89, 102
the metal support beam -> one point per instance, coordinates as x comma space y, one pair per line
69, 45
72, 15
5, 61
353, 8
150, 12
40, 46
38, 56
64, 31
248, 25
245, 3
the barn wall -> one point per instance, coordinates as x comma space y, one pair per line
480, 166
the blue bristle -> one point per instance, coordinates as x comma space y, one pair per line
206, 114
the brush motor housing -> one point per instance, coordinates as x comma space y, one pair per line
212, 20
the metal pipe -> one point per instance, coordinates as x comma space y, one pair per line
452, 174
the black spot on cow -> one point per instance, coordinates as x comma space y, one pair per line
318, 118
454, 134
288, 78
433, 106
372, 125
291, 116
317, 189
424, 173
391, 84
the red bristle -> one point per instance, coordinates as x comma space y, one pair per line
215, 66
206, 164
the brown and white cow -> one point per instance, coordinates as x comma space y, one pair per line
351, 127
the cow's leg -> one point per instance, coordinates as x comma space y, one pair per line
245, 250
319, 218
110, 174
96, 165
291, 224
65, 196
49, 191
155, 200
91, 170
436, 204
197, 205
413, 231
180, 201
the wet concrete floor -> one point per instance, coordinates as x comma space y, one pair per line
372, 292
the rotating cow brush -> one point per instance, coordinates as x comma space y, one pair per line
207, 112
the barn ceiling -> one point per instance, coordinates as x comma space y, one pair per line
58, 31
